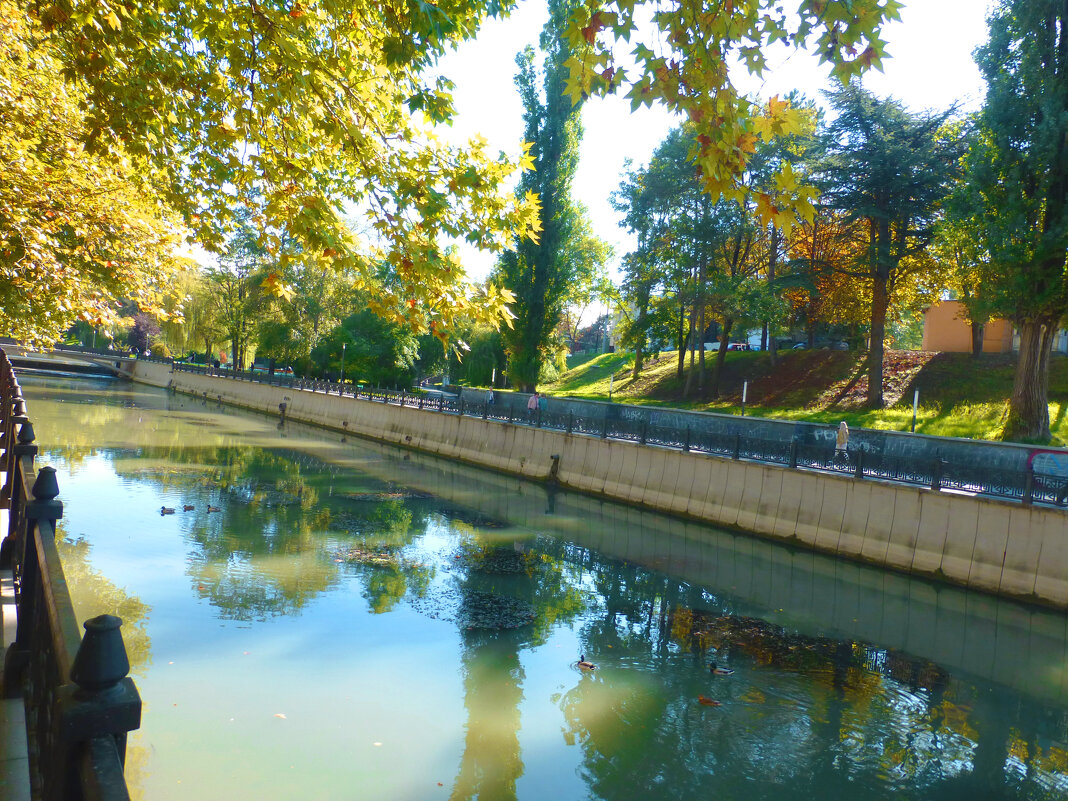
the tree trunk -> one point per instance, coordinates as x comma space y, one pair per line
702, 371
1028, 416
977, 340
680, 368
721, 356
767, 341
880, 300
639, 360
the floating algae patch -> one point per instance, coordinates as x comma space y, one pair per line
484, 610
475, 609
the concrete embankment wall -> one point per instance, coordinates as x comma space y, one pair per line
1008, 549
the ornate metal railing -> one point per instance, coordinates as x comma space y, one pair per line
1027, 486
79, 701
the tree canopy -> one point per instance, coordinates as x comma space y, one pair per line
685, 66
79, 228
317, 118
1018, 168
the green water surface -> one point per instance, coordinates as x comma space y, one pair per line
359, 622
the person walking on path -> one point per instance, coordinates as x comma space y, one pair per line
841, 441
532, 406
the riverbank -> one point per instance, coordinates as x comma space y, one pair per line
951, 537
959, 396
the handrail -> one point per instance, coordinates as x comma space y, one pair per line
1026, 486
80, 702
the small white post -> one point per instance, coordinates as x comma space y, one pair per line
745, 393
915, 405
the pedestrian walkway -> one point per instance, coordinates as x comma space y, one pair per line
14, 758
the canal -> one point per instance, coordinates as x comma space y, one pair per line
326, 618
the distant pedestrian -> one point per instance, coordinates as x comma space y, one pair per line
543, 403
841, 441
489, 397
532, 406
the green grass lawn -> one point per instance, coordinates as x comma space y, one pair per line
959, 396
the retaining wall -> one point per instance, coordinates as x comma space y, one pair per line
999, 547
918, 448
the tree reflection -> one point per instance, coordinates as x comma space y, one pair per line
511, 596
821, 718
93, 594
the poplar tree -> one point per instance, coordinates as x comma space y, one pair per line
539, 273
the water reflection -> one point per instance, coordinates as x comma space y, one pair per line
477, 594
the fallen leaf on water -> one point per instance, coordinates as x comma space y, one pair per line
378, 744
754, 696
708, 701
280, 715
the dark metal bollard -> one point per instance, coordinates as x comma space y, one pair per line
793, 454
645, 431
1029, 486
859, 471
101, 701
737, 447
686, 442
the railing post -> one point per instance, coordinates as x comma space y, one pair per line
645, 430
936, 475
1029, 486
537, 418
18, 418
737, 447
570, 421
100, 701
859, 470
461, 405
604, 425
15, 518
44, 506
793, 454
686, 442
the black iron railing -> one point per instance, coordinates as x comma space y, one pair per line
79, 701
1026, 486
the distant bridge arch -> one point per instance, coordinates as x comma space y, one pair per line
71, 360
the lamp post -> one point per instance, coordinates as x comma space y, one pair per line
343, 345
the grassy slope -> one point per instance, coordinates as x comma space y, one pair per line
959, 396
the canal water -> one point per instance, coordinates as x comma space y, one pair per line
326, 618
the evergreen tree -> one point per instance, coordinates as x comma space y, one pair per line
889, 169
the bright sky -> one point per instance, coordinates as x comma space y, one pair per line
930, 66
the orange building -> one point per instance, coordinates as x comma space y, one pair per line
946, 328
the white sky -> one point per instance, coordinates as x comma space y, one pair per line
929, 66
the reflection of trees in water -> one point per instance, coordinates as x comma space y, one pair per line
511, 595
830, 719
93, 594
840, 716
